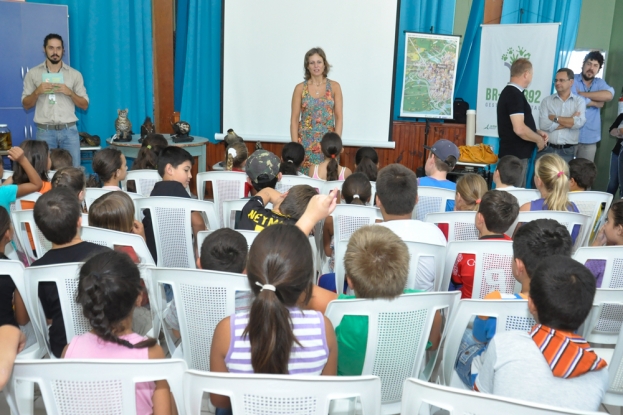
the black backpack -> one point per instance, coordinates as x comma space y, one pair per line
460, 111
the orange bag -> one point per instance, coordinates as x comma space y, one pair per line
480, 153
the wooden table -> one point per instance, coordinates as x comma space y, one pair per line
196, 148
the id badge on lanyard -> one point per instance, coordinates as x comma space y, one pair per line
52, 99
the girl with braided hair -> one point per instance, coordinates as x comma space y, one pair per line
109, 289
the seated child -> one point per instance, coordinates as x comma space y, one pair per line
497, 211
549, 365
262, 170
287, 207
469, 191
151, 147
109, 289
292, 157
58, 216
235, 160
507, 175
110, 169
329, 169
377, 266
59, 157
174, 166
38, 156
10, 192
277, 335
610, 234
443, 156
396, 197
12, 307
367, 162
73, 179
582, 173
541, 238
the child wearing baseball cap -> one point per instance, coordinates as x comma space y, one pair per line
442, 158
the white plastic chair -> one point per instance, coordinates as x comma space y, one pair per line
346, 220
281, 394
510, 315
524, 195
109, 238
567, 219
606, 318
419, 396
228, 209
6, 174
22, 217
398, 332
431, 200
144, 180
589, 203
102, 386
91, 194
461, 225
171, 222
614, 358
202, 299
493, 269
333, 184
226, 185
288, 182
418, 251
27, 198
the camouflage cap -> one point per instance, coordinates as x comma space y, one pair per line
262, 162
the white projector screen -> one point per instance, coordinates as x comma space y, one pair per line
264, 44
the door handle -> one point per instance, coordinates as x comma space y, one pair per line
31, 132
22, 72
25, 133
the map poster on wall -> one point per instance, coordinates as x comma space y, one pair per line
429, 76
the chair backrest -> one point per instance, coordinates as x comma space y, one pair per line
96, 386
461, 225
202, 299
493, 269
248, 235
109, 238
226, 185
573, 221
6, 174
20, 219
590, 203
281, 394
288, 181
32, 197
524, 195
173, 234
228, 209
333, 184
373, 197
91, 194
144, 180
65, 276
398, 332
346, 220
418, 396
431, 200
614, 393
418, 251
510, 315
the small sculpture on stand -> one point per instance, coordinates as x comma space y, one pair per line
182, 129
123, 126
146, 128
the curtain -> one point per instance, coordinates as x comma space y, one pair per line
469, 59
201, 98
181, 36
420, 16
111, 45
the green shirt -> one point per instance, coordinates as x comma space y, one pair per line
352, 341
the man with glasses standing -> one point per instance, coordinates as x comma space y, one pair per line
562, 115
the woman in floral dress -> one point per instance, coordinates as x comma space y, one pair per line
316, 108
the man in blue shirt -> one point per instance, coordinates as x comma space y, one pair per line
596, 92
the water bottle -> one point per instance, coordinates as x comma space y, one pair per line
5, 138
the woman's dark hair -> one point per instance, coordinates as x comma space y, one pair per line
37, 153
5, 221
366, 160
356, 189
150, 150
280, 256
70, 177
292, 156
331, 146
106, 162
108, 287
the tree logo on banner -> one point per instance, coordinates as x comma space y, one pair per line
512, 55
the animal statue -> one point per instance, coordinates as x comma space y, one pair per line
182, 129
147, 128
123, 126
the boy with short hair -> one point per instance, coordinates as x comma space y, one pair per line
582, 173
58, 216
262, 170
508, 174
444, 155
60, 158
174, 166
497, 211
549, 365
533, 241
377, 266
396, 197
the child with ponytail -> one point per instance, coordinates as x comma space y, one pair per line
367, 162
151, 147
281, 336
469, 191
109, 288
292, 157
110, 168
329, 169
551, 176
236, 157
73, 179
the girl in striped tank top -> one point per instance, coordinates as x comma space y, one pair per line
276, 336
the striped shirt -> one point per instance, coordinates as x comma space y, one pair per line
309, 358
